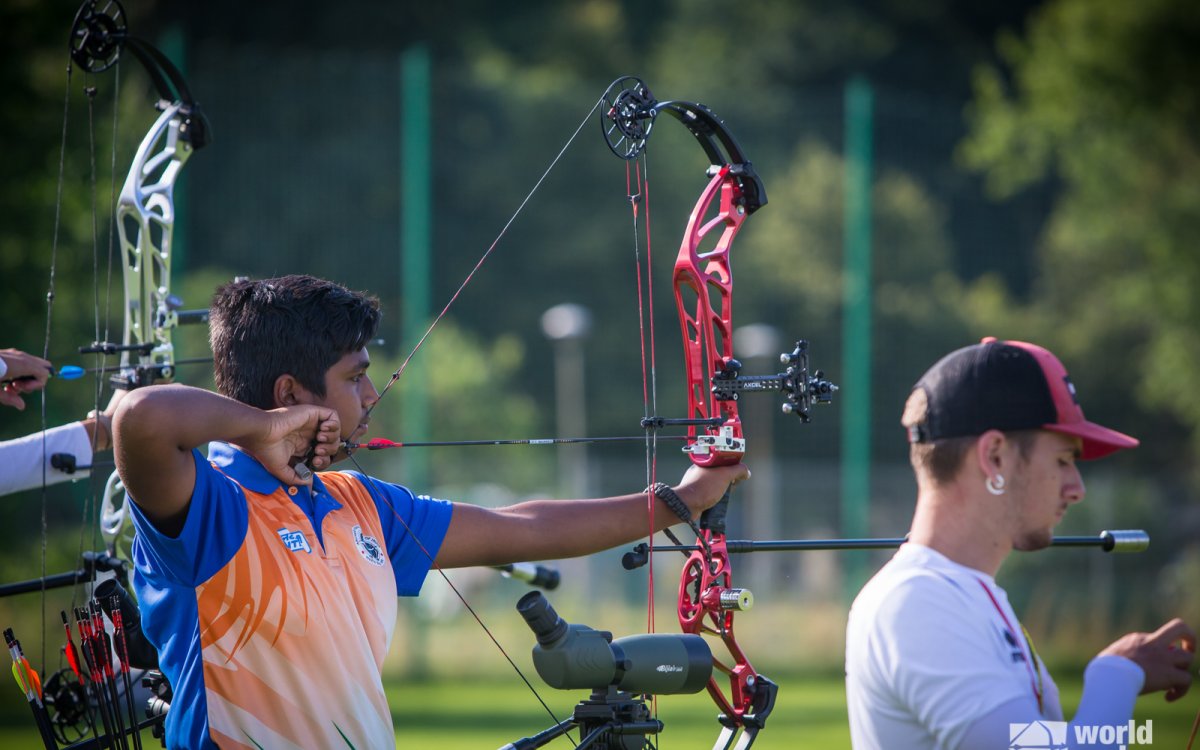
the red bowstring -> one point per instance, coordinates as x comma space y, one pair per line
633, 176
641, 177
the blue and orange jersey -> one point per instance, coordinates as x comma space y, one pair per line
274, 607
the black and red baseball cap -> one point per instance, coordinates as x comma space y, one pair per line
1007, 385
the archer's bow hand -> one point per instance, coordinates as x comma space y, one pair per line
702, 488
24, 373
296, 439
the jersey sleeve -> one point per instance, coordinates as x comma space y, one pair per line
215, 528
414, 527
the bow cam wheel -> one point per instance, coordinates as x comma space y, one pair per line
97, 34
627, 116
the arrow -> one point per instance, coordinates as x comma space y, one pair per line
31, 685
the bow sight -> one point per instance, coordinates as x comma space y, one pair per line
802, 390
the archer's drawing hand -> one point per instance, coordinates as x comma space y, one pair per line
25, 374
1165, 656
702, 488
292, 434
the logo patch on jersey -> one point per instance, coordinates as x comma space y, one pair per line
295, 541
368, 547
1015, 651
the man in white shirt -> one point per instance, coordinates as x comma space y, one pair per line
935, 655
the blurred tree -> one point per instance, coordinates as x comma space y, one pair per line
1101, 98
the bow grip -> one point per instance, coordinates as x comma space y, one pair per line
713, 519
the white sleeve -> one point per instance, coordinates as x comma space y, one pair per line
22, 459
1110, 688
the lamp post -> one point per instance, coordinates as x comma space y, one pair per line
567, 325
761, 343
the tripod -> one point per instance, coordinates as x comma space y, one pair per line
610, 719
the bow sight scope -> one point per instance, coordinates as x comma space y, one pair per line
575, 656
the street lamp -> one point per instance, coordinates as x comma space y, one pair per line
567, 325
761, 342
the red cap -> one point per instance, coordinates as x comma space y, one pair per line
1008, 385
1098, 441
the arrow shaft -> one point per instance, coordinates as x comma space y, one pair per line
528, 441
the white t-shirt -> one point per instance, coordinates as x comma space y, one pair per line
936, 658
931, 647
22, 459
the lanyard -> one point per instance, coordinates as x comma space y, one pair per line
1033, 664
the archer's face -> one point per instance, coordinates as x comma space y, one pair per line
1044, 487
349, 391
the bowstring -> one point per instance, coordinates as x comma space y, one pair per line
641, 177
503, 230
404, 365
376, 493
637, 189
62, 159
99, 312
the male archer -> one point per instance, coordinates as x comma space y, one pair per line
249, 569
935, 654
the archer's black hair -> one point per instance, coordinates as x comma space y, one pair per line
296, 325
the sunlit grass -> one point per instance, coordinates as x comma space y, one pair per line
472, 699
489, 712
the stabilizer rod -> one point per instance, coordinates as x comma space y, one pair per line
1119, 540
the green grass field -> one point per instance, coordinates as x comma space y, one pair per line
462, 714
811, 713
472, 700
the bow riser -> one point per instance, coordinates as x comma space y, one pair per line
706, 604
146, 223
703, 287
706, 322
145, 219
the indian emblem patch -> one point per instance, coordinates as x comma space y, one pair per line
368, 547
295, 541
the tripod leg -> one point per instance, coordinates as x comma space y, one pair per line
542, 737
725, 738
749, 734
